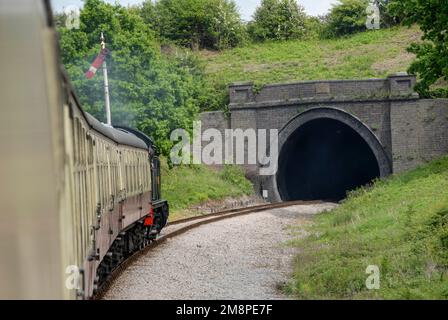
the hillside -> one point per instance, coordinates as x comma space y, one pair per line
400, 225
365, 55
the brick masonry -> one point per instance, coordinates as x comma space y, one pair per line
410, 130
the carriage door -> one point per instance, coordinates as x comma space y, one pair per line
140, 185
122, 192
155, 179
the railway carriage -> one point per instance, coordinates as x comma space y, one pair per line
77, 196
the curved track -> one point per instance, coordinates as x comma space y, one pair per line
179, 227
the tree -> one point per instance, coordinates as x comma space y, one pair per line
211, 24
347, 17
148, 91
226, 29
432, 55
148, 13
278, 20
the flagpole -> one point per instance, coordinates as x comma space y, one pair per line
106, 85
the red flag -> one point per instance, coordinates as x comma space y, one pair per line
96, 64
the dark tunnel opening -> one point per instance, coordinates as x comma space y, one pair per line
323, 160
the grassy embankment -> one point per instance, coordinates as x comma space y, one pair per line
399, 225
365, 55
187, 186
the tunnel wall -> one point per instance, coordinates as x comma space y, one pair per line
411, 131
419, 132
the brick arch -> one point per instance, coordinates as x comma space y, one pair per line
384, 163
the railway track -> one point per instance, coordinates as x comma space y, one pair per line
179, 227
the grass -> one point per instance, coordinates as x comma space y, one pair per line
399, 225
187, 186
365, 55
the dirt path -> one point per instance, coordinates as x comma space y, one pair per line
239, 258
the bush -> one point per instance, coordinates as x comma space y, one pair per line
278, 20
235, 175
389, 17
315, 27
197, 24
347, 17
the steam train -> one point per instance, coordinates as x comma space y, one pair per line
77, 196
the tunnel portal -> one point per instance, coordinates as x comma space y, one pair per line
322, 160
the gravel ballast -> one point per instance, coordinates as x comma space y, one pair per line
240, 258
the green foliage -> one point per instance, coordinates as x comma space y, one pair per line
149, 14
148, 91
400, 225
235, 175
227, 29
432, 55
185, 186
278, 20
212, 24
347, 17
315, 27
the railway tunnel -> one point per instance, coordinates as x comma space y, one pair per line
326, 153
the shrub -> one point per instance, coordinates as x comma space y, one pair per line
278, 20
347, 17
389, 17
315, 27
197, 24
235, 175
